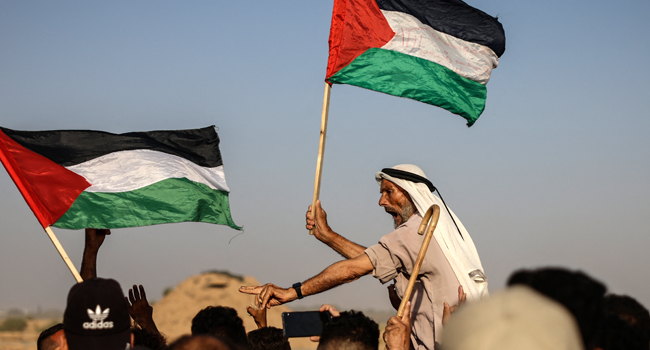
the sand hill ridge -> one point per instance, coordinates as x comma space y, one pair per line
174, 312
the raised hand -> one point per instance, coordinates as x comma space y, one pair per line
140, 310
322, 230
333, 311
94, 239
259, 315
449, 310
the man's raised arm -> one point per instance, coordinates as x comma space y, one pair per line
94, 239
336, 274
325, 234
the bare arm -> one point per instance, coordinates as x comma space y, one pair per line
336, 274
324, 233
94, 239
341, 272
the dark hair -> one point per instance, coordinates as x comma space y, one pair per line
202, 342
351, 327
629, 310
43, 341
268, 338
582, 295
153, 341
221, 322
617, 334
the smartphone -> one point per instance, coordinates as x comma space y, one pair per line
304, 323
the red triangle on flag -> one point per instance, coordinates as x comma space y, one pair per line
357, 25
49, 188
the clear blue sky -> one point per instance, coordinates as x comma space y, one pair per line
555, 172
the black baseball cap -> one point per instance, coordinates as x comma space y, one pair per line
97, 316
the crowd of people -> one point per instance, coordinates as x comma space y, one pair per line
548, 308
545, 308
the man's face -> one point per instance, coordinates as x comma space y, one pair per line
396, 202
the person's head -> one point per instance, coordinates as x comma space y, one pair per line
413, 183
50, 338
617, 334
396, 201
351, 331
221, 322
629, 310
582, 295
97, 316
198, 342
516, 318
268, 338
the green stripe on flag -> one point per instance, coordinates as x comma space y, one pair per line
167, 201
403, 75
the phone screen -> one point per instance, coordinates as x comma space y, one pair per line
304, 323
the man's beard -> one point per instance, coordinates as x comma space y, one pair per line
403, 213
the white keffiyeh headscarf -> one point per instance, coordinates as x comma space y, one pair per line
458, 247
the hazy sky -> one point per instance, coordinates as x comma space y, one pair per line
555, 172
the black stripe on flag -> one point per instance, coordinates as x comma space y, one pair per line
71, 147
454, 17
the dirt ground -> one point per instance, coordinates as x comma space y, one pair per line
25, 340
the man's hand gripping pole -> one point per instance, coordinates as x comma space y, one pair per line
432, 214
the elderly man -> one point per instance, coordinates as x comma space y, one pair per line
451, 259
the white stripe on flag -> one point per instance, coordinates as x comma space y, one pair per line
412, 37
130, 170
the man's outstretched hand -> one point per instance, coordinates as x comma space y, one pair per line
398, 331
270, 295
140, 310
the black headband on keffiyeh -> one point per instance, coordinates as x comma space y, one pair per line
408, 176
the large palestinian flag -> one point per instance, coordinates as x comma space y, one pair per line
80, 178
440, 52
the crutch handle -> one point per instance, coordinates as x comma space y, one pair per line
432, 214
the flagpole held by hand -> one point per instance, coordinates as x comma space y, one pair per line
434, 211
63, 254
321, 149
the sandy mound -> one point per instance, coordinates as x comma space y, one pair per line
173, 314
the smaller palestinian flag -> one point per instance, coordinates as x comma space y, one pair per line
439, 52
81, 178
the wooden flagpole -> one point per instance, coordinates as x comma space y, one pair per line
64, 256
321, 150
435, 210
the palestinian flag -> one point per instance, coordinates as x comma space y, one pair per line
439, 52
81, 178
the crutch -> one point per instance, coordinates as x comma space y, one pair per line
433, 211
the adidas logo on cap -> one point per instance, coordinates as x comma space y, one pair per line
98, 316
